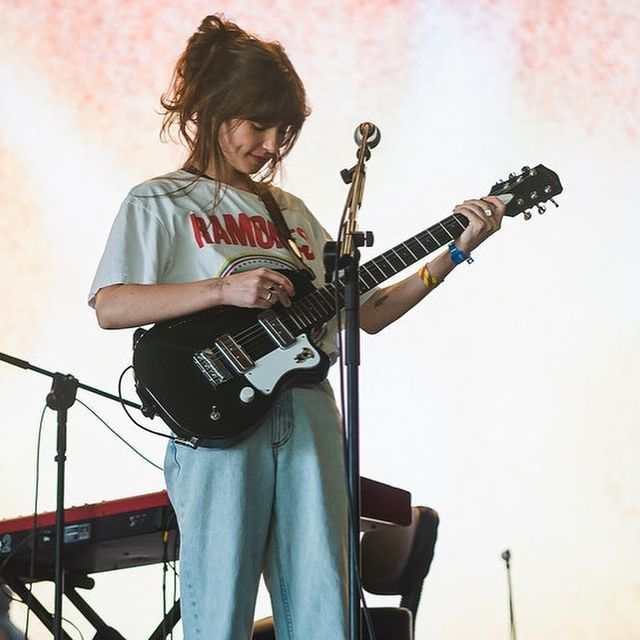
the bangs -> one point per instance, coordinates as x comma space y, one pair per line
273, 101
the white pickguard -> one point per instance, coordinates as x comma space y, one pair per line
270, 368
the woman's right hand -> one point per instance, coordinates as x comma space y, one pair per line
258, 289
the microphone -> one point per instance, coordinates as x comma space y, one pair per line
369, 130
506, 555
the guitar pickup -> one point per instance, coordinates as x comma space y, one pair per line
209, 364
274, 326
234, 353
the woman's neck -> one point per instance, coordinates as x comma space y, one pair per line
244, 185
229, 176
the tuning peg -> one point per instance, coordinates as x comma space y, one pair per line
512, 176
527, 215
541, 208
525, 169
554, 202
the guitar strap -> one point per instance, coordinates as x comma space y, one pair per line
263, 192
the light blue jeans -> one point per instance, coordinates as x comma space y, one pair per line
274, 503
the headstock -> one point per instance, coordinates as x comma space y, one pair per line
530, 188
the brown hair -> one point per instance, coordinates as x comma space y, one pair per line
226, 73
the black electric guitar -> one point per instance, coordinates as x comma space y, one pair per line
216, 373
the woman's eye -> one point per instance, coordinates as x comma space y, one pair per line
258, 127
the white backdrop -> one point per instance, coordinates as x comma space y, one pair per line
508, 401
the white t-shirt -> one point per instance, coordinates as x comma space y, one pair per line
166, 233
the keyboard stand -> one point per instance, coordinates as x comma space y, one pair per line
103, 630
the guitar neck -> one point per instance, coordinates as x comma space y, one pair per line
319, 306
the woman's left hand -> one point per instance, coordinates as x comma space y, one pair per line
485, 217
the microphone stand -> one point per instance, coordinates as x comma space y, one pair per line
506, 556
61, 399
346, 257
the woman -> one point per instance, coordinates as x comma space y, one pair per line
201, 237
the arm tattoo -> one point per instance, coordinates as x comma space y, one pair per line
380, 301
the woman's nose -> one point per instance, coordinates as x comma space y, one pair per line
270, 141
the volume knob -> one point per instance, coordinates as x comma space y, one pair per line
247, 395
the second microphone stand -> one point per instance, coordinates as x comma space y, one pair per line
61, 398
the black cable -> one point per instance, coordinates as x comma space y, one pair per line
165, 567
124, 406
4, 587
32, 560
74, 626
165, 562
175, 582
115, 433
173, 567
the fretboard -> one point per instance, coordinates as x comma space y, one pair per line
319, 306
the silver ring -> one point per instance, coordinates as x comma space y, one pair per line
269, 295
488, 213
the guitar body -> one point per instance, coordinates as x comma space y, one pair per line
172, 383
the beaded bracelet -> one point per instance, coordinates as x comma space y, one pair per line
428, 280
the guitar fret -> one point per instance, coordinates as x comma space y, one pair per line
447, 230
328, 298
317, 308
383, 275
411, 258
382, 267
422, 248
296, 314
441, 238
315, 304
307, 311
322, 304
366, 276
454, 224
435, 241
395, 260
461, 220
331, 290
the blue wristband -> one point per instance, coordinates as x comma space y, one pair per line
457, 255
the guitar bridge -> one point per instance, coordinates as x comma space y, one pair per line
209, 364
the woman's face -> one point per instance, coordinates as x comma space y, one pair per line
247, 146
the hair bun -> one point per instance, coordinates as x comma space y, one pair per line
216, 29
